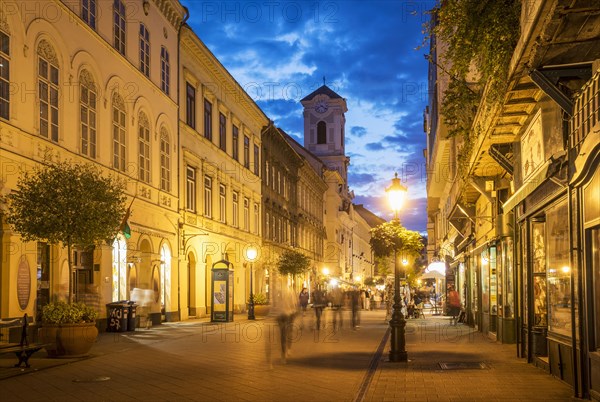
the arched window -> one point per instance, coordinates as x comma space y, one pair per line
48, 90
321, 132
119, 268
118, 126
144, 148
165, 276
87, 113
165, 160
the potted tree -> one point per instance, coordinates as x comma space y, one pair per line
73, 205
261, 304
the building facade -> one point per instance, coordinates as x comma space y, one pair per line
520, 231
93, 82
220, 180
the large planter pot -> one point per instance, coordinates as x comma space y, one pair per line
261, 310
68, 340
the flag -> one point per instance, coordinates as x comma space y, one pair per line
124, 228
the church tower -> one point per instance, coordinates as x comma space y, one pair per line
324, 129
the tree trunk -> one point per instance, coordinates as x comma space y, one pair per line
70, 264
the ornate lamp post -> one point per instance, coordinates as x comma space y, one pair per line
396, 193
251, 254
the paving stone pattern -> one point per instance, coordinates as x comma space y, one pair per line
199, 361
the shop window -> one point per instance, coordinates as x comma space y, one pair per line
540, 310
559, 270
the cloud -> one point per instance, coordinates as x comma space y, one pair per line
279, 52
374, 146
358, 131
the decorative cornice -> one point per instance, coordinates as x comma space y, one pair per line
210, 63
173, 11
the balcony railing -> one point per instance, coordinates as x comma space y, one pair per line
586, 112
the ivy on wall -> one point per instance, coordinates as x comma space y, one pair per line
480, 37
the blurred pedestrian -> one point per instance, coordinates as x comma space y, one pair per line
303, 300
284, 310
318, 305
454, 304
337, 304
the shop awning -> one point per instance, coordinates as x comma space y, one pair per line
527, 188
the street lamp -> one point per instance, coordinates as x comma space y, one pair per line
251, 254
396, 193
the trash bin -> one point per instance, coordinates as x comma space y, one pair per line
116, 316
131, 324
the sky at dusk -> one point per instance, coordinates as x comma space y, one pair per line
279, 52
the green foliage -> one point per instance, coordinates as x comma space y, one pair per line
67, 203
369, 281
390, 237
293, 262
479, 38
260, 298
63, 313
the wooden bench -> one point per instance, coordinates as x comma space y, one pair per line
23, 350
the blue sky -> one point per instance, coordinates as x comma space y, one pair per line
279, 51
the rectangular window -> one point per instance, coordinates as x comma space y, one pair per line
246, 152
222, 203
4, 75
88, 12
208, 196
235, 139
207, 120
118, 136
119, 26
48, 96
190, 105
256, 218
144, 153
256, 160
87, 113
144, 50
165, 71
190, 203
165, 162
222, 132
246, 214
558, 270
236, 209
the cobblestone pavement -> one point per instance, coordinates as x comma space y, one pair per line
199, 361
